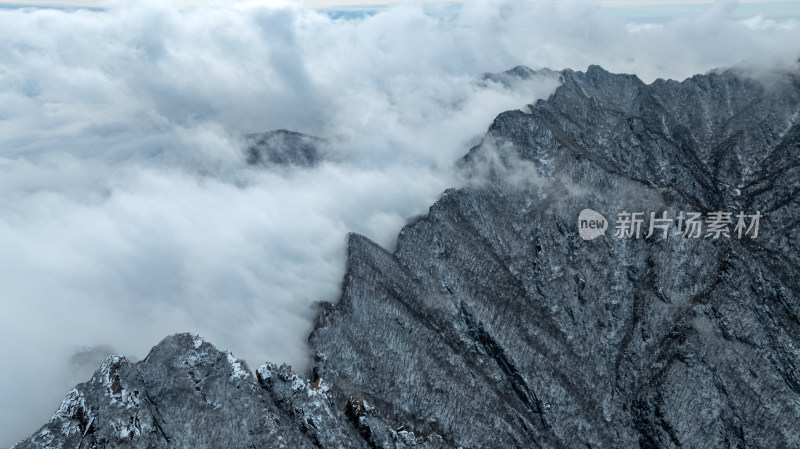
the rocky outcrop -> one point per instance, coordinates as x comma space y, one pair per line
494, 324
285, 148
185, 393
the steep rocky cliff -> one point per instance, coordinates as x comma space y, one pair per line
494, 324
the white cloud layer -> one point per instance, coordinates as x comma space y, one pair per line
127, 212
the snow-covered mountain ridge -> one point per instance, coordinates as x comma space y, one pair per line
493, 324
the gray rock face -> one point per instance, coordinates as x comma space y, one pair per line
185, 393
493, 324
284, 148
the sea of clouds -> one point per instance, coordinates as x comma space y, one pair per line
127, 211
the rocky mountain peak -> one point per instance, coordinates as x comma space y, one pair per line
494, 323
285, 148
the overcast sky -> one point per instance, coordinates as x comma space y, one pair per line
126, 209
362, 3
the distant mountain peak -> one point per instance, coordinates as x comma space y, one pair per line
285, 148
511, 77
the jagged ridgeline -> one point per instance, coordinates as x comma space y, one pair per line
495, 325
